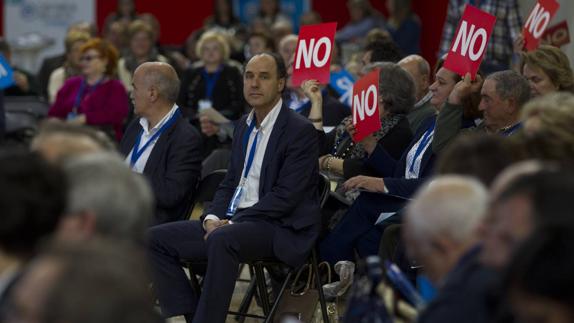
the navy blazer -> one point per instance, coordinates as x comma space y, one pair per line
173, 168
287, 186
393, 171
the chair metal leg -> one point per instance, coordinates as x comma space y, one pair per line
278, 298
262, 288
322, 301
244, 307
193, 279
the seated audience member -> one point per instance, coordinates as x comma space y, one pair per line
32, 200
547, 69
339, 153
281, 29
49, 64
524, 198
358, 230
91, 282
274, 212
161, 144
503, 94
57, 141
117, 34
257, 43
419, 69
519, 206
440, 233
223, 18
270, 12
286, 48
24, 82
332, 110
214, 84
125, 13
404, 26
141, 40
380, 51
72, 65
548, 123
363, 19
99, 184
539, 281
96, 98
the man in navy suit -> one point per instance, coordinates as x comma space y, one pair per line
161, 144
266, 207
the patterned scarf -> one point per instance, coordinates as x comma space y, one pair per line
344, 146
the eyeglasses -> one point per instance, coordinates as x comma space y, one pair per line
88, 58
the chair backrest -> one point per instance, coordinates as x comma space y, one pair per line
206, 188
23, 113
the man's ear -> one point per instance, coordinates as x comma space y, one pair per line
153, 94
512, 106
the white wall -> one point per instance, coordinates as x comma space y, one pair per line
47, 18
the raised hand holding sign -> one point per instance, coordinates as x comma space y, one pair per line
313, 53
469, 44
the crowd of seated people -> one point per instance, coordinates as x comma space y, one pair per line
465, 187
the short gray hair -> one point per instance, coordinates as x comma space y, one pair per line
396, 86
121, 200
163, 77
511, 85
450, 205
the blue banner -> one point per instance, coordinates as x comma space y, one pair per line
342, 82
6, 74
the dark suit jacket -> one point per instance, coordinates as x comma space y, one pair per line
393, 171
287, 187
173, 167
464, 294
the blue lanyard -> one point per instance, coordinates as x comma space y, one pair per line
251, 155
136, 153
210, 80
424, 142
80, 93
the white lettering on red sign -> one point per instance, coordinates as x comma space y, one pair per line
537, 21
361, 104
467, 40
311, 53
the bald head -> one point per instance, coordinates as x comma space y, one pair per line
419, 69
161, 77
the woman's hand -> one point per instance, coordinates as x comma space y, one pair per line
312, 91
371, 184
519, 44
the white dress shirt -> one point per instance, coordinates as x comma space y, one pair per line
139, 166
250, 194
417, 160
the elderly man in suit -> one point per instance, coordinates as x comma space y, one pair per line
161, 144
267, 205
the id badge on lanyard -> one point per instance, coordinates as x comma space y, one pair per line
236, 198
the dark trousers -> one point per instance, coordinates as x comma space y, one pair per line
224, 250
357, 230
